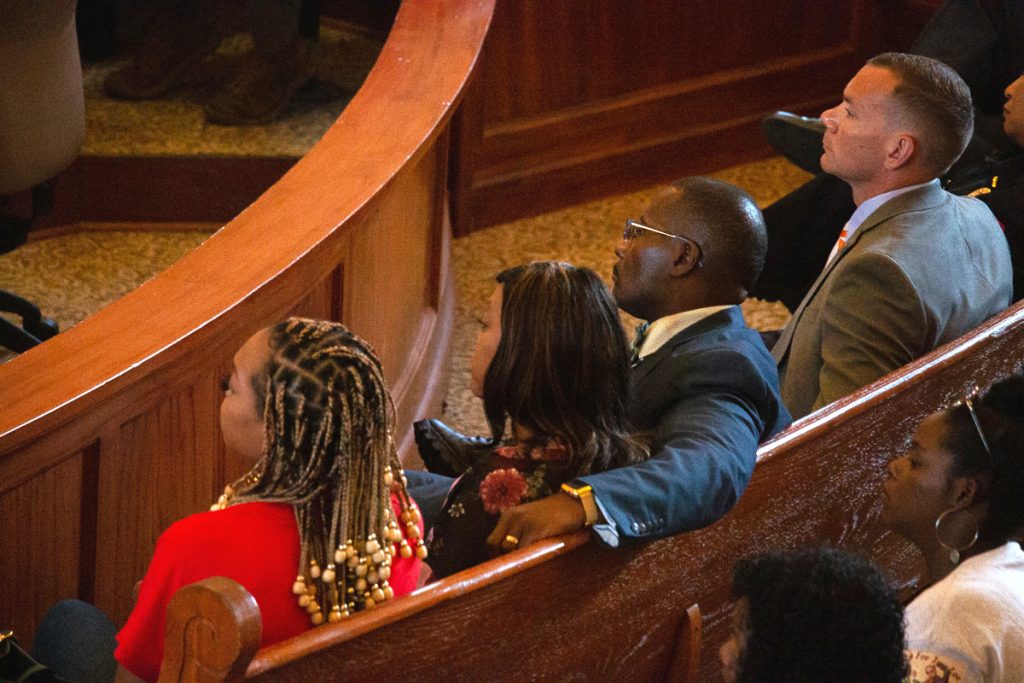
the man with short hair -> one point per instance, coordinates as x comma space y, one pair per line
703, 385
915, 266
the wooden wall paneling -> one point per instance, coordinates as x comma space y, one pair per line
158, 469
388, 250
323, 302
656, 137
160, 189
402, 249
467, 132
40, 541
546, 57
586, 98
440, 231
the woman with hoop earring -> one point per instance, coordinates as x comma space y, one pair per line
958, 495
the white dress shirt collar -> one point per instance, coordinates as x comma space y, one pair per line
663, 329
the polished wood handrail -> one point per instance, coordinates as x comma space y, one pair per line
450, 588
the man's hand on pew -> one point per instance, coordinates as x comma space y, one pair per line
552, 516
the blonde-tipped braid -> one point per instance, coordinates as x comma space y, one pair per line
329, 452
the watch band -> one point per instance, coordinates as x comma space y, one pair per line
583, 492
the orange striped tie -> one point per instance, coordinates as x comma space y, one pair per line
841, 242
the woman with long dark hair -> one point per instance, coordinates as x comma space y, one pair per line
551, 365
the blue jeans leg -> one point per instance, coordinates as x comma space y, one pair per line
77, 641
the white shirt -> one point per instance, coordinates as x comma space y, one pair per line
663, 329
971, 623
868, 207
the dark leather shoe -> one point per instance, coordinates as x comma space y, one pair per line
444, 450
798, 138
263, 87
170, 52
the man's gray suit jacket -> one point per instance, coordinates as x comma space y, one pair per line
923, 269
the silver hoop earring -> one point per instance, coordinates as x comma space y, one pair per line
955, 550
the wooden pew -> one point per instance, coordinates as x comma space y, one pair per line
570, 609
109, 432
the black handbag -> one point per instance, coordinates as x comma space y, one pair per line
16, 666
445, 451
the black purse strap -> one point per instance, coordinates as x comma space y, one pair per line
17, 666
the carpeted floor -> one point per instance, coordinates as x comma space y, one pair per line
174, 123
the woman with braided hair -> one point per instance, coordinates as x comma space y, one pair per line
957, 496
321, 526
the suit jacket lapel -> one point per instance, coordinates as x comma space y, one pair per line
915, 200
729, 317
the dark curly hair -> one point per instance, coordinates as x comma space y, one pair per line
816, 615
1001, 416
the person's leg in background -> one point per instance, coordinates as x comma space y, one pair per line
77, 641
803, 227
284, 35
181, 34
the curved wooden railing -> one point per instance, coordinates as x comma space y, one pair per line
108, 432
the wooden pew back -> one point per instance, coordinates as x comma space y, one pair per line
571, 609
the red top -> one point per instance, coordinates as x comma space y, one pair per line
255, 544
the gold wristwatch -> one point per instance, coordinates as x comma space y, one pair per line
582, 491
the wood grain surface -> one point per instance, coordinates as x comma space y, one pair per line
570, 609
357, 231
584, 98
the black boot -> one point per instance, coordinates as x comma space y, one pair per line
798, 138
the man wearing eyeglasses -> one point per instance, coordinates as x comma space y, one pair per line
703, 384
915, 267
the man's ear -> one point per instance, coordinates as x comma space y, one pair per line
685, 257
901, 151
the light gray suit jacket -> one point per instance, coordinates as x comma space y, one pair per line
923, 269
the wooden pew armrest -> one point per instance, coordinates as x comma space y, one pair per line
213, 630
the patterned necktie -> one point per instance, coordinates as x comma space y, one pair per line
840, 243
638, 341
